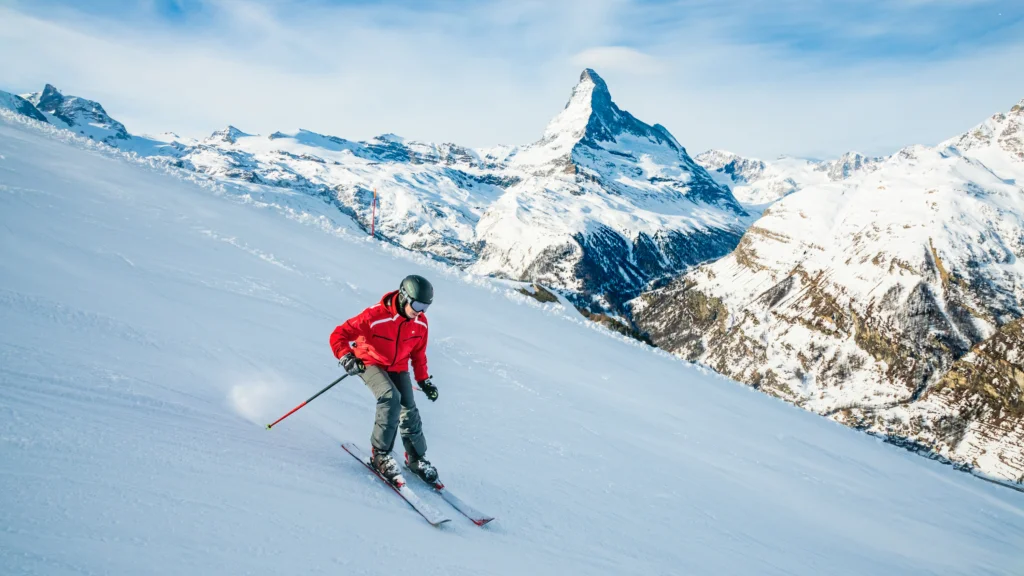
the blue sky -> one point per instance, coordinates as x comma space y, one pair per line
808, 77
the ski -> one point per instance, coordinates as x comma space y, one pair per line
477, 517
429, 513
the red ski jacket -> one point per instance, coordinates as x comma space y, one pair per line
385, 338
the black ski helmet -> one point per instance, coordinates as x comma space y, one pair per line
415, 287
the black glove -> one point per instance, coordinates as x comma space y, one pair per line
352, 364
428, 388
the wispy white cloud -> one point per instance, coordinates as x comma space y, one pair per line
618, 59
332, 70
486, 73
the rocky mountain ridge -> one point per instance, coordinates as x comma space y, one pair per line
758, 184
878, 298
79, 115
602, 205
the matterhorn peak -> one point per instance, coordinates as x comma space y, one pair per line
588, 110
588, 75
591, 86
591, 117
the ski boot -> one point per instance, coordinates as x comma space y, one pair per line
386, 466
422, 467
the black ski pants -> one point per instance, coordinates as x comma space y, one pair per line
396, 411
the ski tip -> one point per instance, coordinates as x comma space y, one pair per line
482, 521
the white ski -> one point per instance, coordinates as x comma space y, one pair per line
476, 516
429, 513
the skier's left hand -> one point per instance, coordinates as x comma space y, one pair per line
428, 388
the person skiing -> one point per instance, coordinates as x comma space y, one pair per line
386, 337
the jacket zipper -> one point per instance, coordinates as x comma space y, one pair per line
398, 338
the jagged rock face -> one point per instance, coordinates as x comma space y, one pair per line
1004, 132
79, 115
860, 299
990, 378
976, 408
847, 165
611, 266
739, 169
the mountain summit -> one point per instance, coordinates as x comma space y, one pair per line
996, 141
229, 135
592, 136
591, 116
79, 115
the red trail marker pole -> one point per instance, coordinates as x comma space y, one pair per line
373, 217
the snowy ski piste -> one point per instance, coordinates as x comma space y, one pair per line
154, 322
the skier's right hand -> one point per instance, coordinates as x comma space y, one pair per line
352, 364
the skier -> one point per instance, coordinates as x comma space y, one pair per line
387, 335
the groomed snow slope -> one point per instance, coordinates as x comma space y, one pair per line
151, 325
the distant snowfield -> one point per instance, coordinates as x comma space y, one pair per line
151, 326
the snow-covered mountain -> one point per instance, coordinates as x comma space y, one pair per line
154, 321
431, 197
604, 203
600, 206
20, 105
79, 115
757, 184
855, 298
88, 119
997, 138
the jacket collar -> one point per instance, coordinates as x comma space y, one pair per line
389, 302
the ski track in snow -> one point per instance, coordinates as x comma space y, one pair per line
153, 324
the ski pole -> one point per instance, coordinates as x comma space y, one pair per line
311, 398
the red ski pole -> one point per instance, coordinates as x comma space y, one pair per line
311, 398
